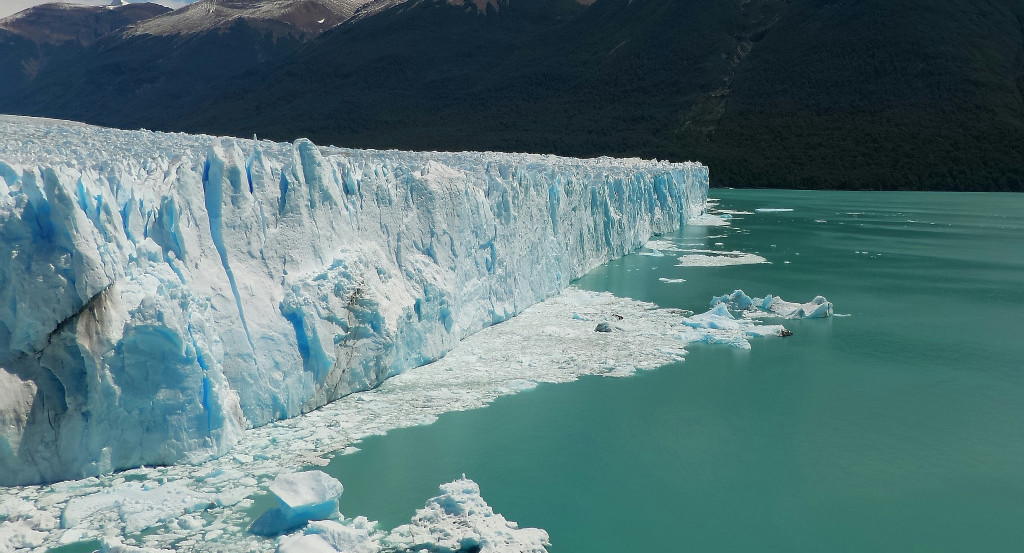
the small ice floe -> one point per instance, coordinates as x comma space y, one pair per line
718, 258
672, 280
708, 220
719, 326
301, 497
658, 247
772, 209
817, 308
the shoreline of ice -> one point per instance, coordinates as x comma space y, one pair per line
197, 286
201, 507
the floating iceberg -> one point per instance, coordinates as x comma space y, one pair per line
719, 326
457, 520
301, 497
817, 308
160, 293
460, 520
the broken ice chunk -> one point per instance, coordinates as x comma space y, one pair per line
305, 543
718, 318
736, 300
359, 535
301, 497
460, 520
817, 308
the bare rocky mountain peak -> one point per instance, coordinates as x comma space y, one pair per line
61, 22
298, 17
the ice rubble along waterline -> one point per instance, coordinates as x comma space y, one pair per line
160, 292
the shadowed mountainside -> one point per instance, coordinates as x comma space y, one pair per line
769, 93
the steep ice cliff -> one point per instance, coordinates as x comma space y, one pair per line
159, 293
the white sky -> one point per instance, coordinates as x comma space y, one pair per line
8, 7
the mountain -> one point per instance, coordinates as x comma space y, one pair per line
769, 93
58, 23
281, 17
42, 38
156, 69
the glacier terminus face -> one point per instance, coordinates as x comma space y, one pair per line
160, 293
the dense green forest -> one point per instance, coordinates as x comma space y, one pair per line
853, 94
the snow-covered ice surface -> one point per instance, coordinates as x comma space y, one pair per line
202, 507
160, 293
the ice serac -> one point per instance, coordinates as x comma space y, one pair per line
160, 293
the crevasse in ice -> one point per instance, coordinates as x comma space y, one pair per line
159, 293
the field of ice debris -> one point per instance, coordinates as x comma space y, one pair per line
202, 287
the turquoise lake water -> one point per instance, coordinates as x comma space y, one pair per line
899, 427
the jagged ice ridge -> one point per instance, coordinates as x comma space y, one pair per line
160, 293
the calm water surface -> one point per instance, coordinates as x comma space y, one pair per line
897, 428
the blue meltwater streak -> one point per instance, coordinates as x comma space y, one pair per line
894, 428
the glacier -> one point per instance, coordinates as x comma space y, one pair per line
161, 293
204, 507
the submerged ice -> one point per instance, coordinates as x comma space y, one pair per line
161, 293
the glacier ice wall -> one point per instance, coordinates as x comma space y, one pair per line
160, 293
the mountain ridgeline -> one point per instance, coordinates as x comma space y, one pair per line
820, 94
